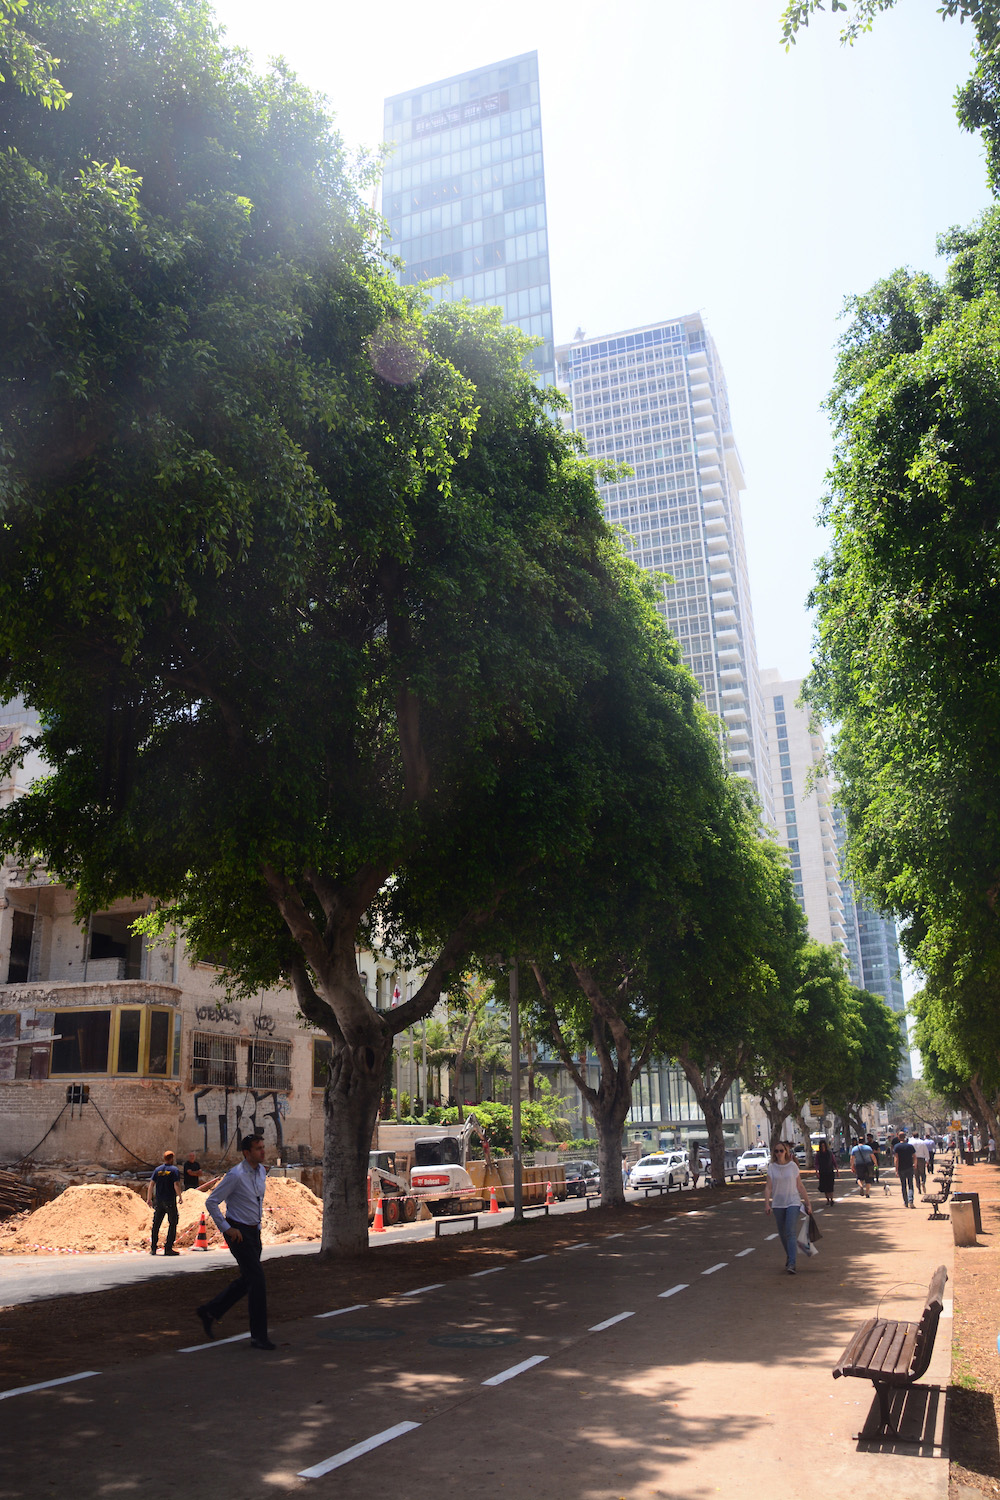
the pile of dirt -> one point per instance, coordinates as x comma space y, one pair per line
291, 1213
92, 1219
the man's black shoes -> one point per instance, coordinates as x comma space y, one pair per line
207, 1321
171, 1252
262, 1344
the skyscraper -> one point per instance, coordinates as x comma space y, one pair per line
655, 398
463, 193
804, 812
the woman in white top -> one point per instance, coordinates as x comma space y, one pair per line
783, 1193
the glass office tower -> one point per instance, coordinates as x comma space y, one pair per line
463, 193
655, 398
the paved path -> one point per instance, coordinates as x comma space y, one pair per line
29, 1278
675, 1360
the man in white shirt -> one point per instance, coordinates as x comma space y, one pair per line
242, 1191
920, 1160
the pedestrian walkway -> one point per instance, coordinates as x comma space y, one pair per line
674, 1360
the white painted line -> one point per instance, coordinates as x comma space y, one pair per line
338, 1311
681, 1286
349, 1454
618, 1236
418, 1289
641, 1227
771, 1236
712, 1269
529, 1258
693, 1214
526, 1364
583, 1245
610, 1322
740, 1253
492, 1271
947, 1307
237, 1338
45, 1385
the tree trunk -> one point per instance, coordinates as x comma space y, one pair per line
350, 1104
777, 1112
710, 1099
984, 1109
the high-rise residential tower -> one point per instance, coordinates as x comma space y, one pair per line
804, 812
463, 193
655, 398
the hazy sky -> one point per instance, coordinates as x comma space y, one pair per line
691, 164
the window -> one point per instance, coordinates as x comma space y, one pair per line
322, 1058
269, 1065
136, 1040
84, 1041
213, 1059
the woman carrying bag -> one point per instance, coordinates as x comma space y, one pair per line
785, 1193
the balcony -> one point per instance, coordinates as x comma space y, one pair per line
45, 994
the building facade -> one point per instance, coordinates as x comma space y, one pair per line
655, 398
804, 812
463, 193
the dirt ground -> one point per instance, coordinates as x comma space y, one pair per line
42, 1340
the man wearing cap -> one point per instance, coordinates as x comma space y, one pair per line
242, 1191
165, 1185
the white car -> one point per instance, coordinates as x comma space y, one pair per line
753, 1161
662, 1169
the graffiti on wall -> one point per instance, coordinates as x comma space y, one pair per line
231, 1113
230, 1014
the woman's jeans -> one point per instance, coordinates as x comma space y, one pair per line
787, 1221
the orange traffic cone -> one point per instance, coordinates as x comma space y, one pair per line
379, 1226
201, 1238
494, 1205
549, 1196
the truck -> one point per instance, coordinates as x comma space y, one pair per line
411, 1165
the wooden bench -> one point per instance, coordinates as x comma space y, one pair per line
936, 1200
893, 1354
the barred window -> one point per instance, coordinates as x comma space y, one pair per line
213, 1059
269, 1065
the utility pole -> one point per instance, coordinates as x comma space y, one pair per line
515, 1091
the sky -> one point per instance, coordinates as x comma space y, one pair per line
692, 164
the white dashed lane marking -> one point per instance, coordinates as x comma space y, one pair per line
339, 1311
681, 1286
526, 1364
347, 1455
237, 1338
490, 1271
741, 1253
418, 1289
712, 1269
528, 1259
610, 1322
45, 1385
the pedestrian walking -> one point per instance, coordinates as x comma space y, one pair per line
826, 1170
931, 1145
991, 1147
861, 1165
784, 1193
163, 1195
904, 1156
694, 1162
873, 1148
920, 1159
242, 1191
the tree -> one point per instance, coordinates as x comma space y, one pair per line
957, 1035
25, 62
908, 637
809, 1041
872, 1070
916, 1103
310, 585
719, 986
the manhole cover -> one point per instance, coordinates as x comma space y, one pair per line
474, 1340
355, 1333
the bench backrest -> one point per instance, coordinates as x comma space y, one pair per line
927, 1327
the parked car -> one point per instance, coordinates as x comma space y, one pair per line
753, 1161
582, 1177
662, 1169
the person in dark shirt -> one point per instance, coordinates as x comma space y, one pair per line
192, 1172
165, 1189
903, 1156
